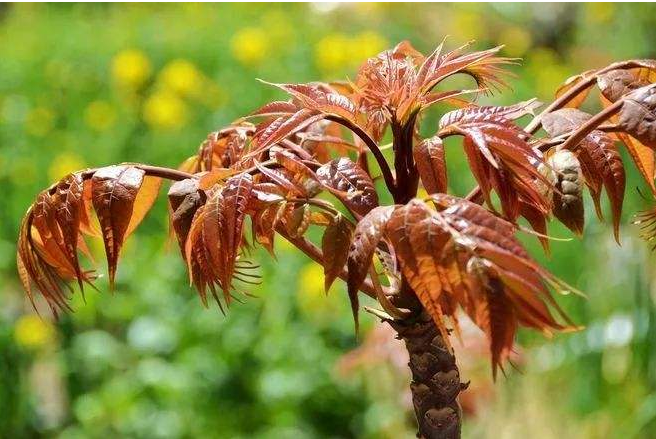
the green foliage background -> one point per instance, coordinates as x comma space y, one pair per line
89, 85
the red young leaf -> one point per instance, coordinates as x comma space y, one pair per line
638, 115
368, 233
431, 165
346, 177
114, 191
335, 246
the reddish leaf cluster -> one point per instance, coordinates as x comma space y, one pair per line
52, 230
304, 163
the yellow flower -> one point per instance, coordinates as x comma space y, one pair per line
516, 39
165, 110
311, 279
366, 45
131, 68
33, 332
182, 77
64, 164
312, 299
331, 53
40, 121
249, 46
468, 25
547, 71
600, 13
100, 115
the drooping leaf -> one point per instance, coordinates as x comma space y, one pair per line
599, 159
495, 313
335, 247
184, 200
114, 192
232, 203
617, 83
603, 154
423, 278
366, 237
503, 160
431, 165
298, 220
576, 81
637, 116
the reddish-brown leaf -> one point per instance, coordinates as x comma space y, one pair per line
232, 204
114, 192
184, 200
617, 83
604, 154
572, 82
345, 177
431, 165
285, 126
335, 247
368, 233
638, 115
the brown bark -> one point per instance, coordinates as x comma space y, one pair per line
435, 379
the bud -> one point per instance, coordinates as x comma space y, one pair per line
567, 195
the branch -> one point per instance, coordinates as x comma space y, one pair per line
591, 124
155, 171
570, 94
573, 140
373, 147
316, 254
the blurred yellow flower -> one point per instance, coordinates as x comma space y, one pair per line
165, 110
181, 76
516, 39
40, 121
33, 332
331, 53
100, 115
336, 51
249, 45
547, 71
467, 25
366, 45
131, 68
311, 279
599, 13
311, 297
64, 164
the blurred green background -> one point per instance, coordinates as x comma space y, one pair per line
89, 85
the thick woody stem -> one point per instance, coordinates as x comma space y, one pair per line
435, 382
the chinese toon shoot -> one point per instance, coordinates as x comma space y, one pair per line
424, 260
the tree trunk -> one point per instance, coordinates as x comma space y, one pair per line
435, 379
